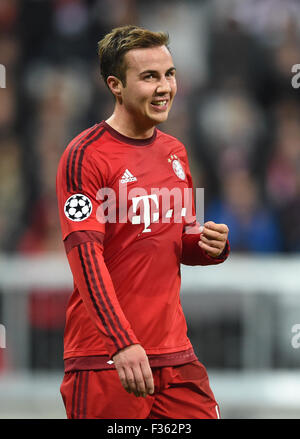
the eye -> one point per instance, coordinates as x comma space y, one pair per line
170, 73
149, 76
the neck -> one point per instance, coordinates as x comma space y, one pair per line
129, 126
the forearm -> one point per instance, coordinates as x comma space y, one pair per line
85, 256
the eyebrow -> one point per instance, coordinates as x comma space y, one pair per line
155, 71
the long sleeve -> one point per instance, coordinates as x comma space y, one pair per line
85, 255
192, 254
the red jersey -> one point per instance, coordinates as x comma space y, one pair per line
123, 220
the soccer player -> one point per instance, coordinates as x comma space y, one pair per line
121, 185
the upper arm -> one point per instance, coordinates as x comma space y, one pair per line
78, 204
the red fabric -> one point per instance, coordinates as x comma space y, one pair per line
126, 290
191, 255
181, 392
77, 238
100, 362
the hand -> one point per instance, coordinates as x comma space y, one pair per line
213, 238
134, 370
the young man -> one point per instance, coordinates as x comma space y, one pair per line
120, 187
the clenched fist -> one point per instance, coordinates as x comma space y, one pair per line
213, 238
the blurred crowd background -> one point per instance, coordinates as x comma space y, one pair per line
236, 111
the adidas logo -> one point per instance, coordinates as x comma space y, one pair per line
127, 177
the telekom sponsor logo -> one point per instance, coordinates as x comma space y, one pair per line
140, 207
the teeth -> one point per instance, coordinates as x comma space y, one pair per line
160, 103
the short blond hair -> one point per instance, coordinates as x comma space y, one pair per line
113, 47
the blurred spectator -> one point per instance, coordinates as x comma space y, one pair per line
9, 10
252, 226
11, 191
266, 19
113, 13
284, 166
8, 111
283, 172
290, 224
231, 123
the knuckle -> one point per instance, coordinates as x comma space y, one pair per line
145, 361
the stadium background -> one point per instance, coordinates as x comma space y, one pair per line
238, 115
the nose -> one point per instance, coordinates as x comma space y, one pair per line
164, 86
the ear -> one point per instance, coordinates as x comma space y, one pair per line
115, 86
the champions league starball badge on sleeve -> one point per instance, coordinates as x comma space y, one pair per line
78, 207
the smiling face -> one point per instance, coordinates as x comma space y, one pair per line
147, 96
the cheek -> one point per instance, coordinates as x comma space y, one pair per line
136, 97
131, 100
174, 88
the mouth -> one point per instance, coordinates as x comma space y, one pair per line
160, 105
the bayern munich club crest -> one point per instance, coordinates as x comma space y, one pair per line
78, 207
177, 167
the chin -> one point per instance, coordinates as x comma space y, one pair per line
160, 118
